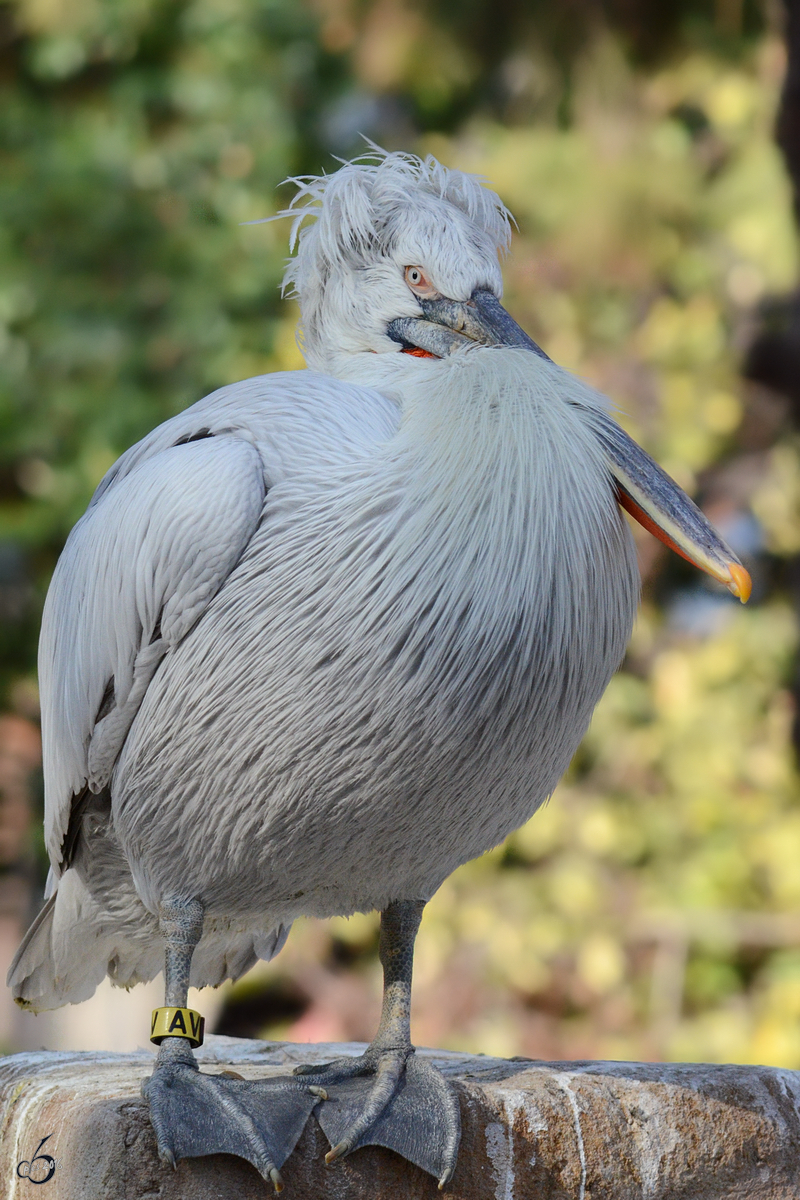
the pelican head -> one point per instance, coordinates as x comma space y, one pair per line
393, 237
403, 262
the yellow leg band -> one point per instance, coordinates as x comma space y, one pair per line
177, 1022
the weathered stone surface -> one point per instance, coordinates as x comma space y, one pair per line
577, 1131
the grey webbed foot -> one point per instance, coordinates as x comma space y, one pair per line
195, 1114
390, 1098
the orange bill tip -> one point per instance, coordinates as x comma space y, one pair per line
740, 582
732, 574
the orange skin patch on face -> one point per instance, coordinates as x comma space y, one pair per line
417, 353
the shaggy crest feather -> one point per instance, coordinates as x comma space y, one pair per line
353, 207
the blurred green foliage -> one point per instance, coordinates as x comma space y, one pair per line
653, 908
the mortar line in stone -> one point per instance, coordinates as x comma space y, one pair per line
563, 1083
510, 1163
499, 1148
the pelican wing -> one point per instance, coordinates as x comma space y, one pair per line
136, 574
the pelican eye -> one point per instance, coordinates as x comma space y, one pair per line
419, 283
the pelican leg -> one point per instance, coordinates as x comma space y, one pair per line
388, 1096
195, 1114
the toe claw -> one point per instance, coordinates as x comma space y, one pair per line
318, 1091
337, 1151
311, 1068
277, 1181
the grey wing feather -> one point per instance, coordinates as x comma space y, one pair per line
136, 574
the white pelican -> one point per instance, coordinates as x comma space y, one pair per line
325, 636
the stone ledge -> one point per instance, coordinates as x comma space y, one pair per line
549, 1131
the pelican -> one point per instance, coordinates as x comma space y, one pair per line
325, 636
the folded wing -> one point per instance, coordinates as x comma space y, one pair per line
135, 577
